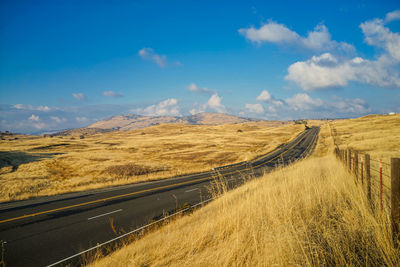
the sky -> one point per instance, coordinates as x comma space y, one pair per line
66, 64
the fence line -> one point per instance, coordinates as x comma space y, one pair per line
359, 164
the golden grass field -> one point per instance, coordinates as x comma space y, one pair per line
377, 135
308, 214
33, 166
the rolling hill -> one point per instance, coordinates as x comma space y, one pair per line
134, 122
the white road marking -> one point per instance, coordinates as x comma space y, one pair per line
104, 214
187, 191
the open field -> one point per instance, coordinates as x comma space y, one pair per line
308, 214
377, 135
36, 166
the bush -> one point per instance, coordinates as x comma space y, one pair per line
130, 169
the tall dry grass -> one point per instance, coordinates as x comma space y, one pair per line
377, 135
308, 214
36, 166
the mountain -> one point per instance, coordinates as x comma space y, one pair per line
133, 122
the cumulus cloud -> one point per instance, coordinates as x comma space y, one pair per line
34, 118
328, 70
112, 94
270, 32
391, 16
149, 54
264, 96
194, 88
357, 105
58, 119
376, 34
303, 102
214, 103
272, 109
30, 107
255, 108
317, 39
81, 119
79, 96
166, 107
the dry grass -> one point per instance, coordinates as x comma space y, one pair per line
308, 214
377, 135
36, 166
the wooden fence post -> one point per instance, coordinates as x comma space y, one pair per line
362, 171
368, 176
380, 185
355, 167
349, 159
395, 187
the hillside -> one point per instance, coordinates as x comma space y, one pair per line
37, 166
134, 122
308, 214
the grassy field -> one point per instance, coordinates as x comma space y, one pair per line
308, 214
377, 135
35, 166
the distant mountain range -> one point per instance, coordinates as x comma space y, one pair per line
134, 122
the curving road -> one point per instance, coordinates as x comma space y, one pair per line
47, 230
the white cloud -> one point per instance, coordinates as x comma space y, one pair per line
264, 96
215, 103
112, 94
79, 96
277, 103
303, 102
34, 118
356, 105
30, 107
82, 119
318, 39
376, 34
391, 16
58, 119
164, 108
270, 32
255, 108
149, 54
327, 71
272, 109
194, 88
39, 125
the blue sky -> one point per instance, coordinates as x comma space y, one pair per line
66, 64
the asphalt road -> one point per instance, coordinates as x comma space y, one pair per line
43, 231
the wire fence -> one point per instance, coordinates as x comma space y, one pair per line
380, 180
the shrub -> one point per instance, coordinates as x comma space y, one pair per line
130, 169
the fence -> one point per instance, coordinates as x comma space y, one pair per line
381, 181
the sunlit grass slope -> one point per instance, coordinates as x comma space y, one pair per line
308, 214
35, 166
377, 135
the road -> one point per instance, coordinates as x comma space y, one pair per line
43, 231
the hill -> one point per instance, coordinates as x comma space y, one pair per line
134, 122
310, 213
